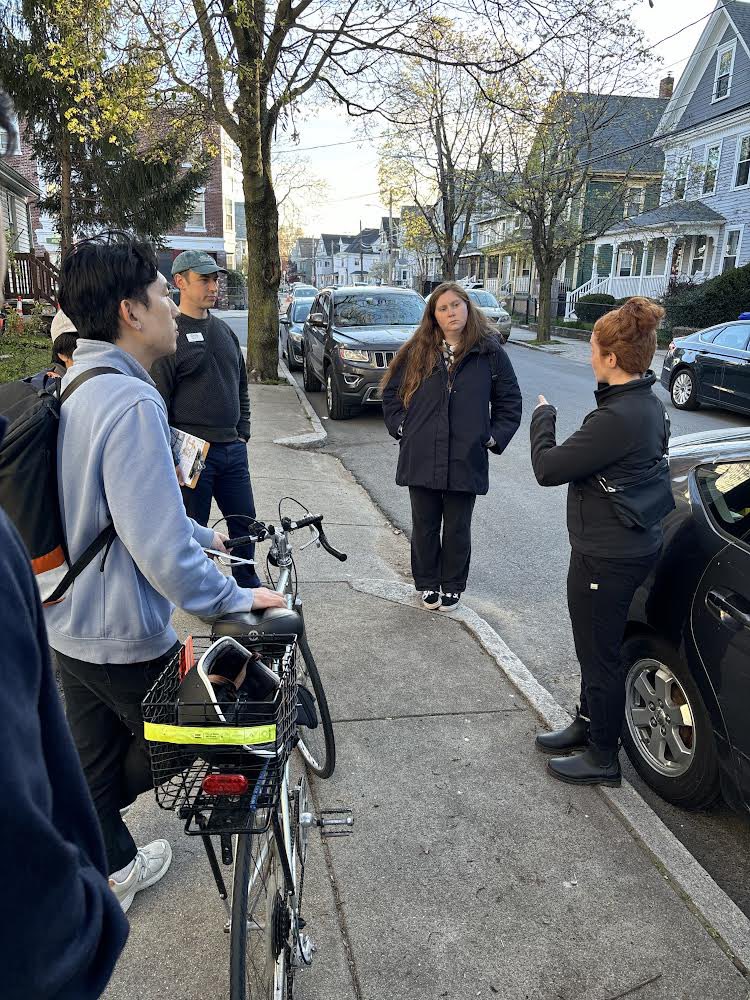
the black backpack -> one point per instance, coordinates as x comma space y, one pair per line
28, 479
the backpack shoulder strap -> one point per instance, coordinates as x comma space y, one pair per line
84, 377
103, 540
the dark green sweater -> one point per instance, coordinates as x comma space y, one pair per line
205, 383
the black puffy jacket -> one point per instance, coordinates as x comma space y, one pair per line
444, 431
620, 440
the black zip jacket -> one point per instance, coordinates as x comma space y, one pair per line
445, 430
205, 383
621, 439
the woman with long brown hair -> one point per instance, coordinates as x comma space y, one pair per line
619, 491
449, 396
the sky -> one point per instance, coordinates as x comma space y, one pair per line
329, 140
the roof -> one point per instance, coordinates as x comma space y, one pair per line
363, 241
616, 121
371, 289
739, 12
329, 239
16, 182
306, 247
673, 213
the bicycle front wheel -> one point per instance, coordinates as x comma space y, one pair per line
259, 954
316, 743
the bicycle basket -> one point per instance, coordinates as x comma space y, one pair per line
245, 745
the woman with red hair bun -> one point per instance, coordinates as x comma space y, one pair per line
619, 492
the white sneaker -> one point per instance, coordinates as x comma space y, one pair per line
151, 864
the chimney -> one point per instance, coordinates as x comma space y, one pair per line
666, 86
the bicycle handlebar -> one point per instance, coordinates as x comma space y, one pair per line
287, 524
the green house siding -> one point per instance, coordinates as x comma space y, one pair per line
603, 205
585, 264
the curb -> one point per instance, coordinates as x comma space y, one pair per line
535, 347
318, 436
721, 917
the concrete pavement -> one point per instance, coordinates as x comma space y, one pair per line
471, 872
571, 348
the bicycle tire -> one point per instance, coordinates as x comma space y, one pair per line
319, 755
259, 954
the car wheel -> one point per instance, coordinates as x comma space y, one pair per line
337, 409
310, 380
667, 732
683, 390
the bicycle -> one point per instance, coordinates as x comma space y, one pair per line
233, 781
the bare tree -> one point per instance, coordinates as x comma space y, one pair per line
573, 124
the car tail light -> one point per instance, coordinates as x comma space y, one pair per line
225, 784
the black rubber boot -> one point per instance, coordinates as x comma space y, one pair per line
592, 767
573, 737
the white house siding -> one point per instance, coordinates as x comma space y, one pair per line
14, 215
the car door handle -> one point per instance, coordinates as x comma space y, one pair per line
719, 603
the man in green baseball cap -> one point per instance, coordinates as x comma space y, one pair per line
205, 388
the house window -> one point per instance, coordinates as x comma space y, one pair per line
197, 217
711, 170
681, 176
633, 202
731, 248
227, 156
743, 163
228, 214
626, 263
724, 67
699, 254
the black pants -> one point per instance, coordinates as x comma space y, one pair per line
599, 596
227, 479
103, 706
437, 562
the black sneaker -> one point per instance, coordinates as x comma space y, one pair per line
431, 600
450, 602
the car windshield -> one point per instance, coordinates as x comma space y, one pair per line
303, 291
486, 299
377, 309
301, 310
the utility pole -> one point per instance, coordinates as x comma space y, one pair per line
390, 237
361, 264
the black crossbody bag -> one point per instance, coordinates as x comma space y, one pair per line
643, 502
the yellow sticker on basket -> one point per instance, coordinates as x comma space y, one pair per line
209, 735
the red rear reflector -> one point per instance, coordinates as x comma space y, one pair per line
225, 784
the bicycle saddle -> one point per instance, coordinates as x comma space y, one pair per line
248, 624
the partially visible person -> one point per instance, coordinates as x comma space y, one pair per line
64, 340
623, 441
63, 928
112, 633
450, 396
204, 385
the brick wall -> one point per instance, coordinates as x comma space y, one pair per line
214, 198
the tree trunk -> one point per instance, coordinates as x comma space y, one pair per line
66, 198
263, 276
544, 327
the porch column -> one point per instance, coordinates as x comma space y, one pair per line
671, 244
595, 265
646, 245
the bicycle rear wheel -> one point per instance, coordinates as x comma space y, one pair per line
317, 745
259, 954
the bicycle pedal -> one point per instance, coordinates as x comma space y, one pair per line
336, 822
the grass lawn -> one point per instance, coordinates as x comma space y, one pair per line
21, 356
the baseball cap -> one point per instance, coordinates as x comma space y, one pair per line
196, 260
61, 324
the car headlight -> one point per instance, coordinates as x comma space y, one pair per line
346, 354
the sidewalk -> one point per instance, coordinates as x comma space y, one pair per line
471, 873
569, 347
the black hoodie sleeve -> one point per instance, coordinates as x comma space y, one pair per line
598, 444
506, 404
394, 411
63, 928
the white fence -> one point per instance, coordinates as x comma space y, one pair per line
653, 286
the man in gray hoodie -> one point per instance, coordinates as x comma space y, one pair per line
112, 631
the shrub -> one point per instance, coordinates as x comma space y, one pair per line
590, 307
13, 326
38, 323
716, 301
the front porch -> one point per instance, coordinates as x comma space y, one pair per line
644, 255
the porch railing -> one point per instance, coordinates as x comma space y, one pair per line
587, 288
32, 277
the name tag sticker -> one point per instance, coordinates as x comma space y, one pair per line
195, 338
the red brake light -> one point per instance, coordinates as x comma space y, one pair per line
225, 784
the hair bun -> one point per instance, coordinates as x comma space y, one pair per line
643, 313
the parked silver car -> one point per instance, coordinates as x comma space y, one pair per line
498, 316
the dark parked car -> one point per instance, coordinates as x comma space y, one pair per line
291, 322
350, 338
711, 366
687, 648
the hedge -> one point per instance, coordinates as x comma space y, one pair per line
716, 301
590, 307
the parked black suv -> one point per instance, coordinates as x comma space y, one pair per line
350, 338
687, 648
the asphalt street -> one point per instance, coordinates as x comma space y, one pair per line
519, 564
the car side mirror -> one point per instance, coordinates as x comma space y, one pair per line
317, 319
